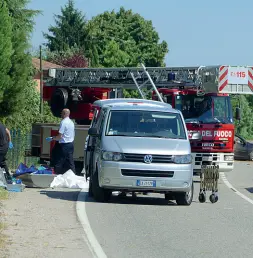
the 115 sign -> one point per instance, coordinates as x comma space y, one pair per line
238, 75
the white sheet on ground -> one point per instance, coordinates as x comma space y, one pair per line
69, 180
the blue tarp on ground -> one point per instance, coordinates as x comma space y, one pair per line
23, 169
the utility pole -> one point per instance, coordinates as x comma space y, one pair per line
41, 83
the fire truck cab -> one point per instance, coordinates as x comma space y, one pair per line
211, 115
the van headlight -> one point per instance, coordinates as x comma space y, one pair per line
111, 156
182, 159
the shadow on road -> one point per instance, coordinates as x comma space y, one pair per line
73, 195
249, 189
63, 195
139, 200
150, 200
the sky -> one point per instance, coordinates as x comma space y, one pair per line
198, 32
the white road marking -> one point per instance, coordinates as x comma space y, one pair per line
226, 182
91, 240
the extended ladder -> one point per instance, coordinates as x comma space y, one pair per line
213, 79
127, 78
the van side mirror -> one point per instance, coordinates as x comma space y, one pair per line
93, 132
238, 113
196, 136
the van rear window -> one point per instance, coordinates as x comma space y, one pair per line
145, 124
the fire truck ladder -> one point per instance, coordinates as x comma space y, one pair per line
140, 78
205, 79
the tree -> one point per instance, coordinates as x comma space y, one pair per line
73, 57
69, 30
21, 63
245, 126
30, 113
5, 48
113, 56
134, 35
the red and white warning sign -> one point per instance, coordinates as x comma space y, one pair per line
235, 75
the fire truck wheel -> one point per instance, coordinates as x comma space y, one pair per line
185, 198
100, 194
59, 101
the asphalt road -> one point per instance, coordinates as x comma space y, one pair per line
151, 227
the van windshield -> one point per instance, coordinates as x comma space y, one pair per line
145, 124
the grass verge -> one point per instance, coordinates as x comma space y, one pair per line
3, 196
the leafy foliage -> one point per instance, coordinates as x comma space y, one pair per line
30, 113
19, 98
129, 34
73, 57
114, 56
244, 127
5, 49
134, 35
19, 73
69, 29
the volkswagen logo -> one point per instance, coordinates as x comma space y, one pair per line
148, 159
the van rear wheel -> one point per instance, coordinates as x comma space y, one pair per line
100, 194
185, 198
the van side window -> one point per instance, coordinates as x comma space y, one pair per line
100, 120
94, 118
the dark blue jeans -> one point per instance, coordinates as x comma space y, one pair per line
65, 160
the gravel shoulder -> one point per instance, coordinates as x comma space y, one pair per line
43, 223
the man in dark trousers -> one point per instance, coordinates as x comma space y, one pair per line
64, 159
5, 144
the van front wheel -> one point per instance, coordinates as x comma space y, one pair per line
99, 194
185, 198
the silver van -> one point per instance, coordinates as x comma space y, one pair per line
137, 145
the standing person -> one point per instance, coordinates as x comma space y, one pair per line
5, 144
65, 137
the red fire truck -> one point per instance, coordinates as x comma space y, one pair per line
201, 93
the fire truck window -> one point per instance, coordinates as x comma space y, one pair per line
220, 107
169, 99
207, 109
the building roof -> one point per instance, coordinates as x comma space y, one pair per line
45, 65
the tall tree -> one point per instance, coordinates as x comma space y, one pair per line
5, 49
20, 71
134, 35
69, 30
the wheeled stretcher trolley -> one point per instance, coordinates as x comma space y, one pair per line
209, 177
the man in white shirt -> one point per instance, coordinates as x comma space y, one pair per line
65, 138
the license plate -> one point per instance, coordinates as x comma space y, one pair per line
207, 158
206, 144
146, 183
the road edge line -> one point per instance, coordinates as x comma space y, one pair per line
227, 183
91, 240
